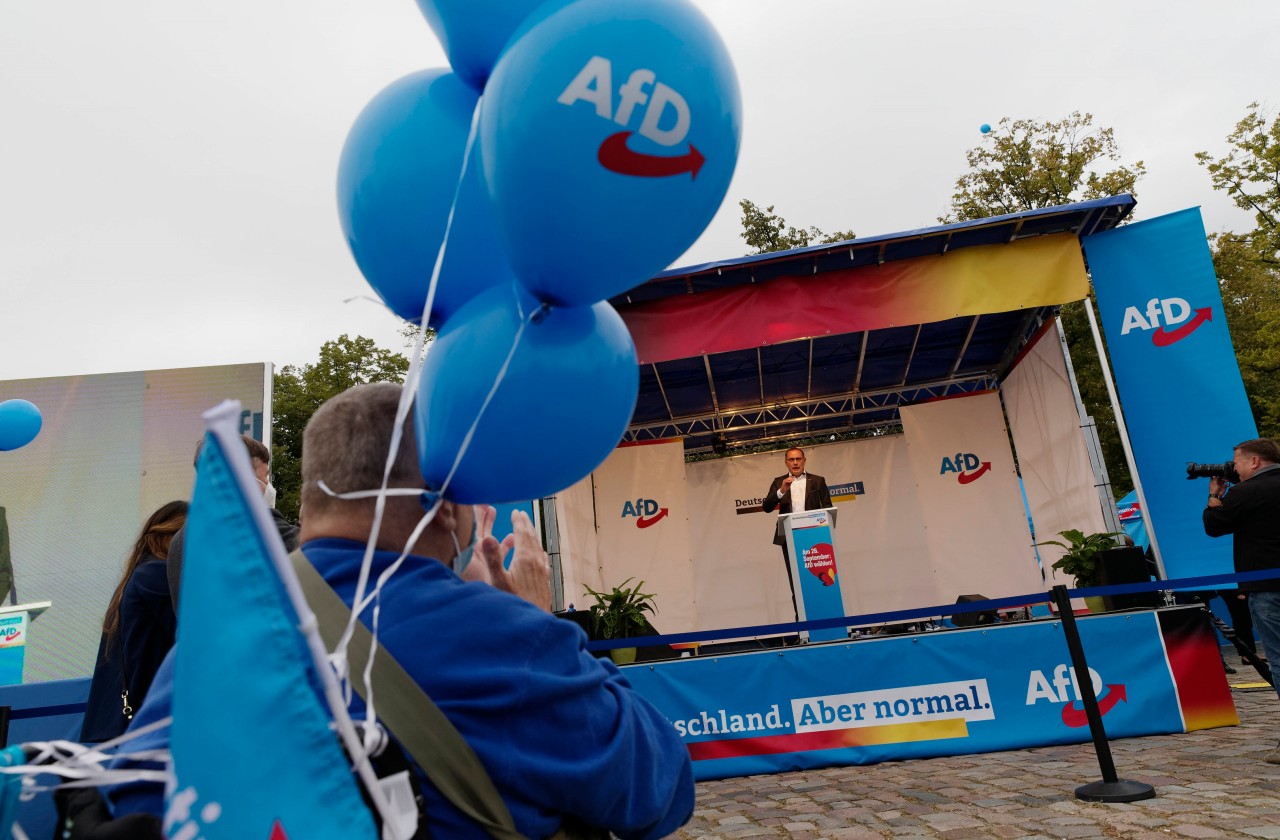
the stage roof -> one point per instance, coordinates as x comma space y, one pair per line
810, 389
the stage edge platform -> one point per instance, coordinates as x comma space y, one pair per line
1002, 687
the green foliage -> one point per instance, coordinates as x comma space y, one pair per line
1250, 173
1093, 393
299, 391
1026, 165
1081, 558
620, 614
766, 231
1248, 264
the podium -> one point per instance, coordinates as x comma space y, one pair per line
15, 622
815, 574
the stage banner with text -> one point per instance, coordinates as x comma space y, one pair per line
947, 693
1176, 373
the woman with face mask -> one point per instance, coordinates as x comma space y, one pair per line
137, 631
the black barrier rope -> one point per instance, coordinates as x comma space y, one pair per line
894, 616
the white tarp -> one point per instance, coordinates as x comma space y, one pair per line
1051, 448
970, 505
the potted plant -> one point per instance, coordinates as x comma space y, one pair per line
1082, 560
620, 614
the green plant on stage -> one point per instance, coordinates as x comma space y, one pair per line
1081, 559
620, 614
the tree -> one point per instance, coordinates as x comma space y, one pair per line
1026, 165
1250, 173
1248, 264
766, 231
299, 391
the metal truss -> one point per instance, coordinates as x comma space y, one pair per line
779, 415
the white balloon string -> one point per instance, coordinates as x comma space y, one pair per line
402, 412
502, 373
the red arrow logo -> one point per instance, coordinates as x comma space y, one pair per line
615, 156
1161, 338
966, 478
277, 832
645, 522
1074, 717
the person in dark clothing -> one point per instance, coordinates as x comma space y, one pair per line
1250, 512
137, 631
794, 492
260, 459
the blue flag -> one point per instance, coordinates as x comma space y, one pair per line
254, 757
1161, 310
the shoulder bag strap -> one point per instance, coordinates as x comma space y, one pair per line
413, 718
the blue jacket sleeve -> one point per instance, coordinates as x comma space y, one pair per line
609, 756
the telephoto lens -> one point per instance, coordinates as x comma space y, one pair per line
1227, 471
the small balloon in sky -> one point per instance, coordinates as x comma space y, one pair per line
985, 128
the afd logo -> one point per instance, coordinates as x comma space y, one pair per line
646, 511
9, 636
967, 467
1175, 312
1063, 688
594, 85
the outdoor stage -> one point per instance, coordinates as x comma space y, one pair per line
952, 692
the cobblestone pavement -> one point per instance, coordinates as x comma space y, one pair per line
1211, 783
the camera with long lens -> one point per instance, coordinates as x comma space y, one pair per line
1227, 471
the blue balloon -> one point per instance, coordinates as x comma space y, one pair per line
561, 408
396, 183
20, 422
609, 133
985, 128
473, 32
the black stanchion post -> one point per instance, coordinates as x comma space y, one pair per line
1111, 788
4, 725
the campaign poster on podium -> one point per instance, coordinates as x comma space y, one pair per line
816, 574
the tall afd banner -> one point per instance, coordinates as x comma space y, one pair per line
1176, 373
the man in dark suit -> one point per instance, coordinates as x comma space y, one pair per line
794, 492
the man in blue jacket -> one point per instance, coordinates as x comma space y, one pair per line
559, 731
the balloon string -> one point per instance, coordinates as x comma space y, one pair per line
502, 373
407, 394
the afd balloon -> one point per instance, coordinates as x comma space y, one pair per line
473, 32
397, 179
562, 407
609, 133
20, 422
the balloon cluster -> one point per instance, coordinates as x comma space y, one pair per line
20, 422
576, 149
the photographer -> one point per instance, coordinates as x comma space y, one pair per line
1251, 512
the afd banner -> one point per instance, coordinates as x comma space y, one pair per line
642, 529
1176, 372
970, 504
946, 693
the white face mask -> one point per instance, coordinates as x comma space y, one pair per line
268, 493
463, 555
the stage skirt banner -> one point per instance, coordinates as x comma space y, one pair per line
1039, 271
946, 693
969, 499
642, 522
1176, 373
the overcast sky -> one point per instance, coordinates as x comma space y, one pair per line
167, 168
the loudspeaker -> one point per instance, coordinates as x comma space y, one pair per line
1127, 564
973, 619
